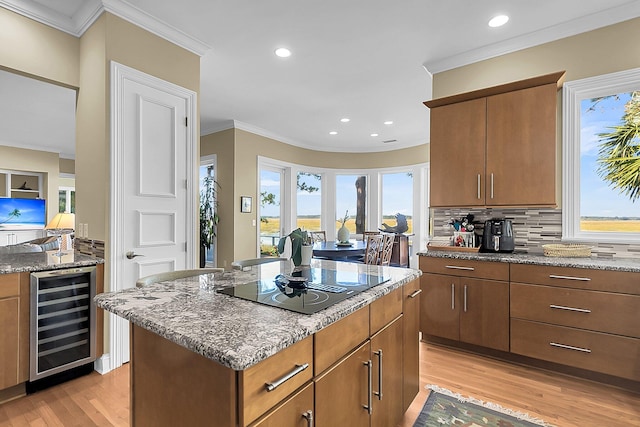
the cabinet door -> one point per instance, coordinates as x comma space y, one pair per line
484, 316
439, 306
386, 354
411, 343
343, 391
457, 154
9, 342
521, 147
297, 411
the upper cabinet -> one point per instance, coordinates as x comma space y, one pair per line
495, 147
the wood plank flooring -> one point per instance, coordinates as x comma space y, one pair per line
103, 400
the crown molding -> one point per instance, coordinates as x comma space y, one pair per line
75, 25
160, 28
591, 22
90, 10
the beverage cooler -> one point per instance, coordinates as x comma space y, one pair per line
63, 320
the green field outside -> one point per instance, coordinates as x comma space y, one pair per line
625, 226
272, 226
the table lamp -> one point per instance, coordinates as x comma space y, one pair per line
60, 225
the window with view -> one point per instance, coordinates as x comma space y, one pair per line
351, 202
309, 201
601, 194
397, 198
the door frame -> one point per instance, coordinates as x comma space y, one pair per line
119, 74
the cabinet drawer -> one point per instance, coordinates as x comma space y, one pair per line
9, 285
593, 310
594, 351
291, 412
466, 268
253, 381
580, 278
385, 309
333, 342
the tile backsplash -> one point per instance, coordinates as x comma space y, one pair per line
532, 228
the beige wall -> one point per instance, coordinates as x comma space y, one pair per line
35, 49
606, 50
19, 159
67, 166
237, 160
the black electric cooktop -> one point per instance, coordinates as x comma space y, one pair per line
306, 292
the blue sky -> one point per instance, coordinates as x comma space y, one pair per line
397, 194
597, 197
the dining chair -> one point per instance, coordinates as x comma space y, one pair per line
368, 233
318, 236
387, 248
244, 263
173, 275
372, 252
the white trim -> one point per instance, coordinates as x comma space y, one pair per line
102, 364
119, 74
591, 22
572, 94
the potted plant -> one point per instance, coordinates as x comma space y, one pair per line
208, 216
300, 242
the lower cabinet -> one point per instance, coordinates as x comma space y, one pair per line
296, 411
411, 342
474, 311
14, 329
364, 388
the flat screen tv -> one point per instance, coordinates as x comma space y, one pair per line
22, 214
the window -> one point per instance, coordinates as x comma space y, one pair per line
67, 200
271, 209
351, 199
309, 201
397, 197
207, 170
601, 151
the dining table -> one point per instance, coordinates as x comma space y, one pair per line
334, 250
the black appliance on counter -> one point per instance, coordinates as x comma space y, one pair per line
498, 236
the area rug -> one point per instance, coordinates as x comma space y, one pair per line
446, 408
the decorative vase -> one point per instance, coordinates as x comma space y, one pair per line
343, 234
306, 252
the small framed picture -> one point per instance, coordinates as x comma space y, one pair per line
245, 204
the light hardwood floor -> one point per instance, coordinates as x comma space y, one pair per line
96, 400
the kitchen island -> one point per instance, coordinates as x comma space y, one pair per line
198, 352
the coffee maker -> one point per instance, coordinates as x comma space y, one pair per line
498, 236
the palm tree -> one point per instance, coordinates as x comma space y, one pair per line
619, 153
13, 214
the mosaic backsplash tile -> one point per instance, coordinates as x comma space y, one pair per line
532, 228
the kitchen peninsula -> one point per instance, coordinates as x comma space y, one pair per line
199, 353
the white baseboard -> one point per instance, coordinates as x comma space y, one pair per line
103, 364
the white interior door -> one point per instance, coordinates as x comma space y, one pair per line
153, 174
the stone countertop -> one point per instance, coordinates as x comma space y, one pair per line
231, 331
43, 261
617, 264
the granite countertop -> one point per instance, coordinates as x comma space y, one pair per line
617, 264
232, 331
42, 261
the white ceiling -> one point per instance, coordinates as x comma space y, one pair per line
369, 60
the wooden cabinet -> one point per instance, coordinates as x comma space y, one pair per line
411, 342
296, 411
14, 329
470, 304
577, 317
386, 357
488, 145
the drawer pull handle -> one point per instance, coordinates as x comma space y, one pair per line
478, 186
379, 392
416, 293
453, 296
277, 383
455, 267
369, 404
309, 417
465, 298
582, 279
570, 347
563, 307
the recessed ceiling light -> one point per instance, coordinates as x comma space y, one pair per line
388, 122
333, 132
498, 21
283, 52
345, 120
374, 134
